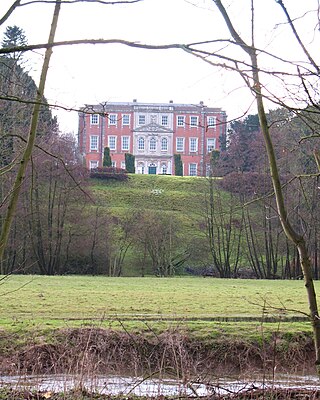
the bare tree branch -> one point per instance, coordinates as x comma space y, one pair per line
10, 11
81, 1
13, 202
312, 62
292, 234
18, 3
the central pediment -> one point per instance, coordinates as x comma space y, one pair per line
153, 127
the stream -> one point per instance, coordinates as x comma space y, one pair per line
139, 386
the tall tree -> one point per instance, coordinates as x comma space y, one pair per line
14, 37
240, 155
224, 225
13, 82
27, 153
158, 234
256, 85
54, 198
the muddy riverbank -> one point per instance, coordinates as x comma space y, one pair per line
170, 353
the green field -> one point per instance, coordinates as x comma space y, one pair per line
204, 306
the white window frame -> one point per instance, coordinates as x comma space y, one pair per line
113, 164
181, 121
193, 167
164, 144
140, 168
211, 144
164, 120
112, 119
125, 119
140, 118
123, 164
153, 141
193, 145
178, 148
93, 164
112, 142
123, 147
164, 169
194, 121
140, 141
211, 122
94, 142
94, 119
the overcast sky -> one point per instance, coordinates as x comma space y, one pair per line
91, 74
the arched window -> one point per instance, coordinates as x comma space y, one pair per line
164, 144
141, 143
152, 144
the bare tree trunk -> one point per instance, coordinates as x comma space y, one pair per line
12, 206
292, 235
295, 237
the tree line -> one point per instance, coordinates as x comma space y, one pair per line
237, 232
237, 235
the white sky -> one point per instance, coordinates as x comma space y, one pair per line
91, 74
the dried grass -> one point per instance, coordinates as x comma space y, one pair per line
171, 353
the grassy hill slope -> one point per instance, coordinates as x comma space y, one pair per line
177, 200
183, 195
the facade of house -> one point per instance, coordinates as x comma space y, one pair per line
153, 133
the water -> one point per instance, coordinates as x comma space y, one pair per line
116, 385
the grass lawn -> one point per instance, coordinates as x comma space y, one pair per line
205, 306
167, 193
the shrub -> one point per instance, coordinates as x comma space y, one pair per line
129, 160
118, 174
106, 157
178, 167
248, 183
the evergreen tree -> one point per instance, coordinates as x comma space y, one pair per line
106, 157
178, 167
129, 160
16, 88
240, 154
13, 37
214, 157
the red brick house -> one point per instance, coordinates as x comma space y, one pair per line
153, 133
